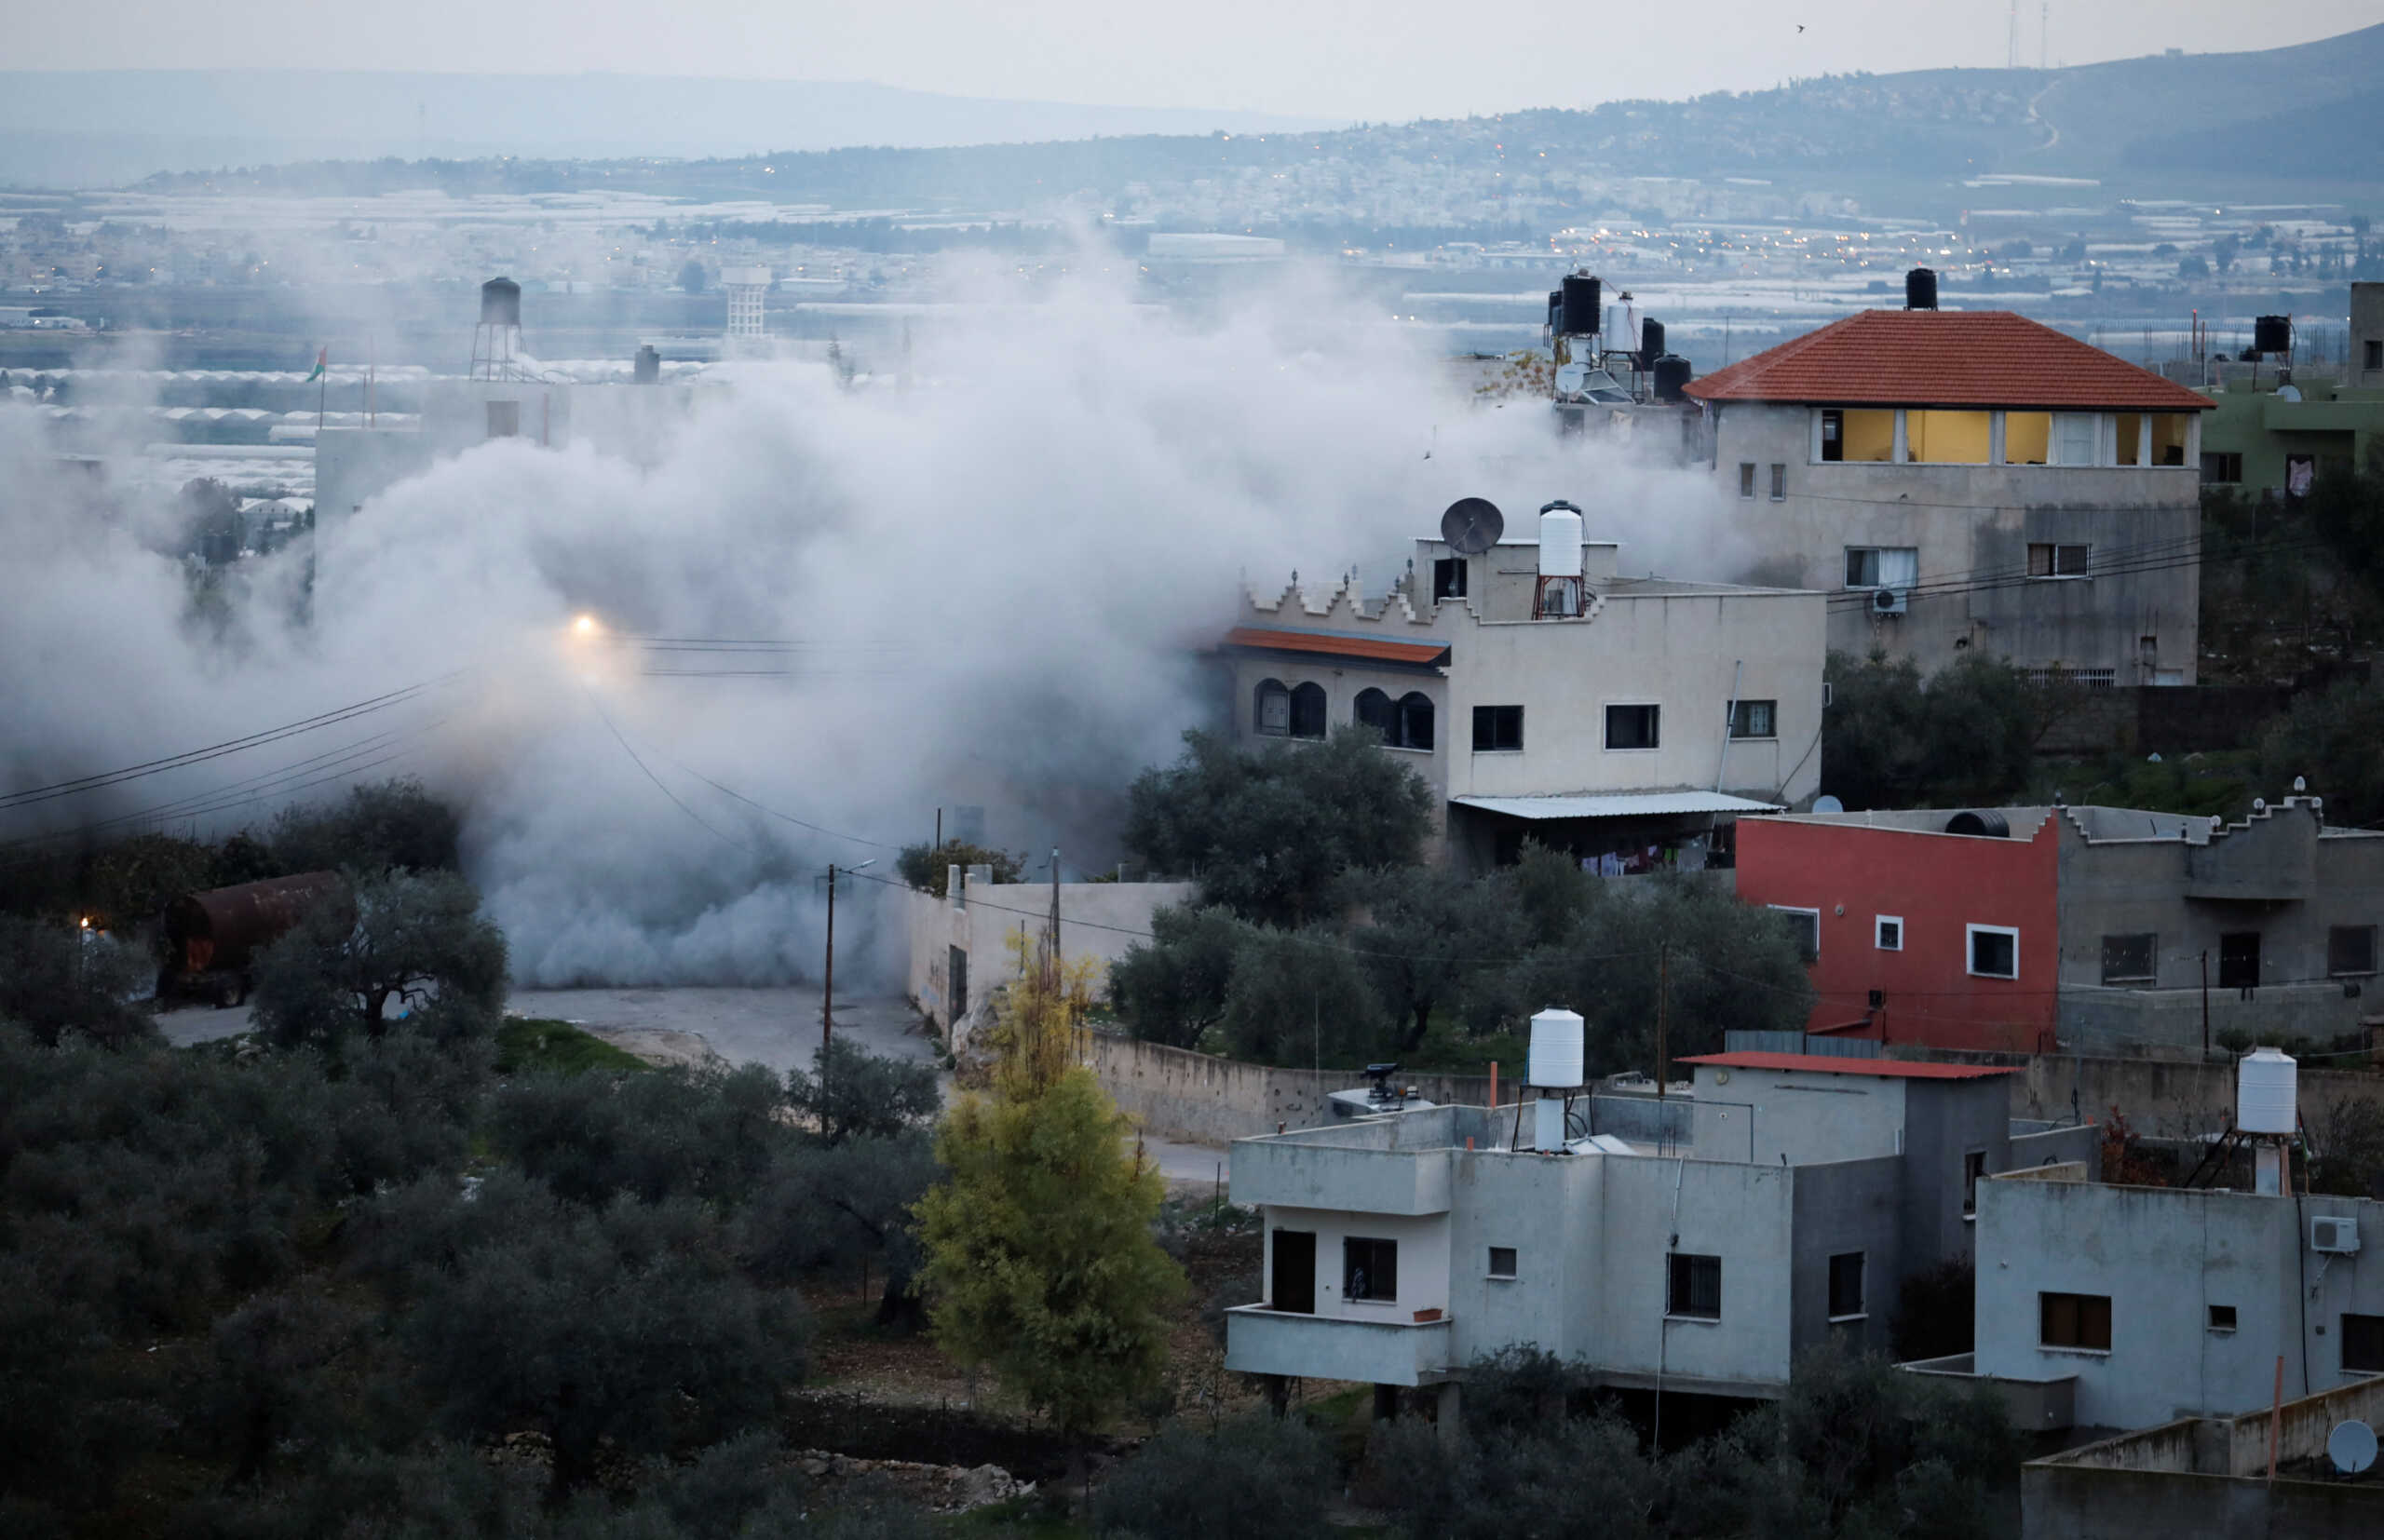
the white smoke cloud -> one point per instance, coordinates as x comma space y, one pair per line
994, 580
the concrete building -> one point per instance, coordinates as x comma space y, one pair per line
1972, 481
2089, 929
1540, 693
2271, 438
1692, 1245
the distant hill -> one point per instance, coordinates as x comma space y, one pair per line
105, 127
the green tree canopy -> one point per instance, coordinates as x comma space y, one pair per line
1268, 831
2334, 738
413, 943
1966, 736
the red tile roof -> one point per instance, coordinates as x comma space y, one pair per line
1899, 1069
1945, 357
1328, 646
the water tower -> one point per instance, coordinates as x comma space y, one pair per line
1557, 1043
496, 341
2268, 1113
748, 328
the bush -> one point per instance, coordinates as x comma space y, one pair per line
391, 826
706, 1134
927, 867
55, 980
1254, 1479
1966, 736
858, 1094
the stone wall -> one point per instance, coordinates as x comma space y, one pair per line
2161, 1098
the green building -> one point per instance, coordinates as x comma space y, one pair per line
2263, 438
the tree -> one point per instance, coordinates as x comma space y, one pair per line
927, 867
1172, 989
2335, 740
391, 826
1297, 996
1426, 933
858, 1094
1967, 735
414, 941
706, 1135
1040, 1261
1268, 831
1254, 1479
841, 1209
691, 276
55, 980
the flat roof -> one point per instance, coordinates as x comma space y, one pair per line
1617, 805
1325, 643
1894, 1069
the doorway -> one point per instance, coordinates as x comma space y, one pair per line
2238, 960
1294, 1279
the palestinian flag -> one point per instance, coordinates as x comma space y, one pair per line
322, 361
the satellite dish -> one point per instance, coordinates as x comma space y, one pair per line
1572, 378
1472, 525
1826, 803
2351, 1446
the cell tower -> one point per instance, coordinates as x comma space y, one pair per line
748, 328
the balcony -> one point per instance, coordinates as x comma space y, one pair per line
1389, 1350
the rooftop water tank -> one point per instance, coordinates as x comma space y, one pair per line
1920, 288
1986, 822
1559, 541
1581, 295
500, 302
2272, 334
2267, 1091
1673, 374
1556, 1050
1651, 342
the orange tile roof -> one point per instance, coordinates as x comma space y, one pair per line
1328, 646
1894, 1069
1945, 357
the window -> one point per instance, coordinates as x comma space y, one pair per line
1403, 723
2222, 1318
1502, 1261
1888, 932
1974, 1172
503, 419
2222, 467
1633, 726
2238, 960
1947, 438
1448, 577
1778, 483
2350, 950
2362, 1340
1415, 720
1373, 709
1862, 434
2170, 431
2128, 439
2075, 1320
1845, 1286
1308, 712
2372, 351
2028, 438
1497, 727
2129, 959
1746, 479
1995, 951
1369, 1269
1754, 718
1882, 566
1271, 714
2058, 560
1696, 1287
1805, 926
2077, 439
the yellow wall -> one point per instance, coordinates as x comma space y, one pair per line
1870, 434
2026, 437
2169, 438
1947, 438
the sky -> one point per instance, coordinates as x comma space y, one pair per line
1375, 59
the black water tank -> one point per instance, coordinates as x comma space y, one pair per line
1988, 822
1920, 288
1583, 311
500, 302
1651, 342
648, 367
1673, 375
1556, 310
2272, 334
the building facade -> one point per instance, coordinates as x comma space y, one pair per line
2093, 929
1593, 712
1697, 1250
2273, 431
1970, 481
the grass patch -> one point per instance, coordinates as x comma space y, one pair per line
535, 1042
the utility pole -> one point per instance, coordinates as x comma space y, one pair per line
1663, 994
827, 973
1055, 917
2206, 1004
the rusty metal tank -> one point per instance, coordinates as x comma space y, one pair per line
223, 928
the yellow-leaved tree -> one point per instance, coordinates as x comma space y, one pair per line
1040, 1261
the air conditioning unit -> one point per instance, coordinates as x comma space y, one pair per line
1889, 602
2335, 1236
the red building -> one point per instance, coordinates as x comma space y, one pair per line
1919, 936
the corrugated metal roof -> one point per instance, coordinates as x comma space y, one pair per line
1326, 644
1945, 357
1896, 1069
1617, 805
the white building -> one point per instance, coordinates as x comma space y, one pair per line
1540, 693
1972, 481
1694, 1248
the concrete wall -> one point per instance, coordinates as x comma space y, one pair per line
1742, 1215
1974, 520
1796, 1116
2060, 1502
1849, 1206
982, 920
2166, 1098
1179, 1094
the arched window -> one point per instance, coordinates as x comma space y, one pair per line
1375, 710
1271, 717
1308, 712
1415, 720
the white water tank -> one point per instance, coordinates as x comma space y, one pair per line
1556, 1050
1559, 541
2267, 1092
